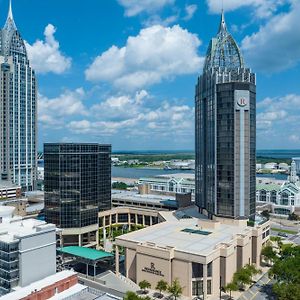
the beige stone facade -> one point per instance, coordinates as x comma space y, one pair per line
198, 252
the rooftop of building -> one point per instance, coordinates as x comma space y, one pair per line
6, 184
183, 177
23, 292
189, 233
223, 51
13, 228
86, 253
149, 198
268, 187
82, 292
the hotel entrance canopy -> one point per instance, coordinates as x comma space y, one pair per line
88, 255
85, 253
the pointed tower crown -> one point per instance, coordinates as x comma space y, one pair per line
12, 43
10, 23
223, 51
222, 26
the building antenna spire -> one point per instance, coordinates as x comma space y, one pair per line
10, 14
223, 26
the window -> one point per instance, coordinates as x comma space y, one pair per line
208, 287
197, 288
209, 270
197, 270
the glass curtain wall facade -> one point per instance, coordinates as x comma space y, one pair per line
225, 131
77, 183
18, 97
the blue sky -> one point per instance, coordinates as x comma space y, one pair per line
123, 71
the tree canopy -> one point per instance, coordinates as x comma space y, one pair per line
286, 272
175, 289
144, 285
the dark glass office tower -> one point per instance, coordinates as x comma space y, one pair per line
225, 131
77, 183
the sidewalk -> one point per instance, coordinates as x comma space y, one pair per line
258, 291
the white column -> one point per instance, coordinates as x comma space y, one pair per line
205, 281
117, 260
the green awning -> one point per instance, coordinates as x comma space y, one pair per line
86, 253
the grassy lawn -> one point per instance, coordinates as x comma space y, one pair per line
284, 246
284, 230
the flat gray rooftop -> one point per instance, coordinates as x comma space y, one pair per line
170, 234
135, 197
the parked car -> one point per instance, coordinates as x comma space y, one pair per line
283, 234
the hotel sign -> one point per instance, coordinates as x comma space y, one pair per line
153, 270
242, 99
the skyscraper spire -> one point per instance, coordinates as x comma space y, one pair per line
10, 23
10, 14
222, 26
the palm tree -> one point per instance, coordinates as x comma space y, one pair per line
161, 286
175, 289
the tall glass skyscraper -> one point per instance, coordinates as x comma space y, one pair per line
77, 186
225, 131
18, 97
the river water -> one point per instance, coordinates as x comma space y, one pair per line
141, 172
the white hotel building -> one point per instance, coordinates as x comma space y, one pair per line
283, 198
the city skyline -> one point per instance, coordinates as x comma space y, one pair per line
145, 100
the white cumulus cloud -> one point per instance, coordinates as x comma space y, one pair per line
190, 11
135, 7
263, 8
46, 56
276, 46
278, 121
53, 112
156, 53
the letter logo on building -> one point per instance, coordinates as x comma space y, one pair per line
242, 102
152, 270
242, 99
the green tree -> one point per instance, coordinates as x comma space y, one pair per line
277, 240
242, 277
175, 289
231, 286
286, 271
131, 296
144, 285
119, 186
161, 286
252, 270
268, 253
